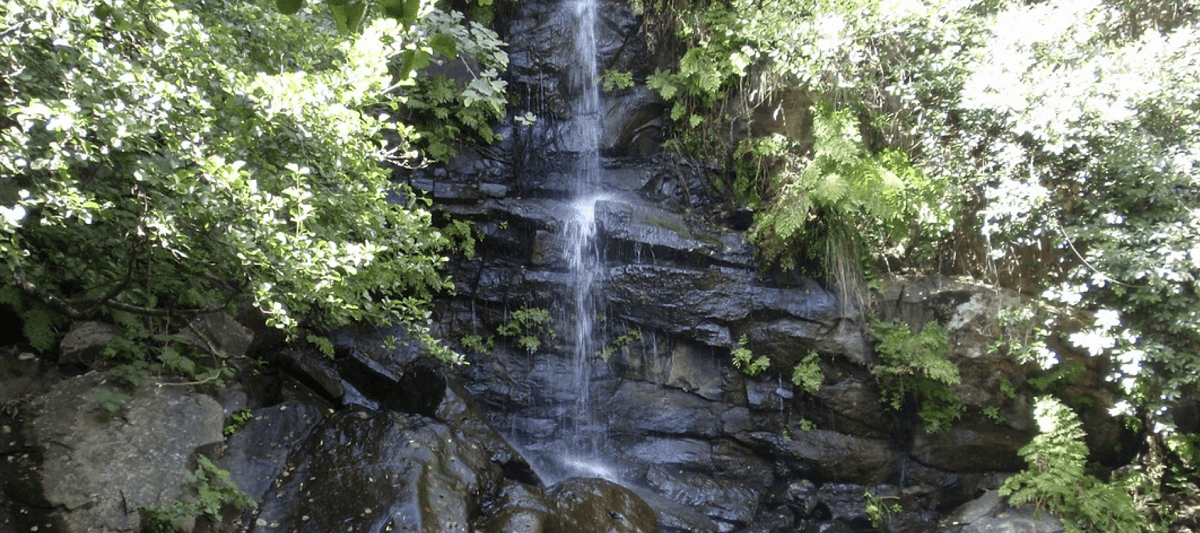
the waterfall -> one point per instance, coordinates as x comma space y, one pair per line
584, 263
583, 254
585, 104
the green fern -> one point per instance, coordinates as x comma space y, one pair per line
744, 360
39, 324
323, 344
858, 200
207, 490
914, 367
1056, 478
40, 327
807, 374
531, 326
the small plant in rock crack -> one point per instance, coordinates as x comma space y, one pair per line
530, 326
807, 374
206, 491
625, 339
477, 343
617, 79
745, 361
236, 422
879, 509
914, 367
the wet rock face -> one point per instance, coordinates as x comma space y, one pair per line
380, 471
542, 63
679, 272
256, 454
597, 505
679, 287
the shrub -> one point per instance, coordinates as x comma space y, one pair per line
1056, 479
914, 367
166, 159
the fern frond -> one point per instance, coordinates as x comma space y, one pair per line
12, 297
40, 327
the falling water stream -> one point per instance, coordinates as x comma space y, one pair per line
583, 254
585, 101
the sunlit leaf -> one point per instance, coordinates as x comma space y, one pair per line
444, 44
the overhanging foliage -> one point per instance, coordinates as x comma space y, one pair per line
161, 160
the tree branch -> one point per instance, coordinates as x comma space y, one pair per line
51, 300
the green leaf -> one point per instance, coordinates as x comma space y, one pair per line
289, 7
411, 60
392, 8
347, 17
405, 11
444, 44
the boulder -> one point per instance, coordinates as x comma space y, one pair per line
972, 446
83, 345
722, 499
599, 506
520, 509
379, 471
835, 456
104, 457
989, 513
255, 454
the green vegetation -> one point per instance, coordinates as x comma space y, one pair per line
879, 510
109, 399
1023, 333
207, 490
477, 343
531, 327
827, 195
236, 422
914, 367
807, 374
625, 339
166, 159
445, 112
1064, 373
1056, 478
744, 360
841, 202
615, 80
1059, 160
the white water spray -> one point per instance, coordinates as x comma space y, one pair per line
585, 104
583, 254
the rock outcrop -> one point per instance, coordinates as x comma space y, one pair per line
104, 457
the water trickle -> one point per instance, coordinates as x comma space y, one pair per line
585, 127
584, 433
584, 264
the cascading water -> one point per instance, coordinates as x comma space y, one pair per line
585, 102
583, 254
583, 262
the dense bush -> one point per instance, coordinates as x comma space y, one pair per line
1056, 478
164, 159
1053, 147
